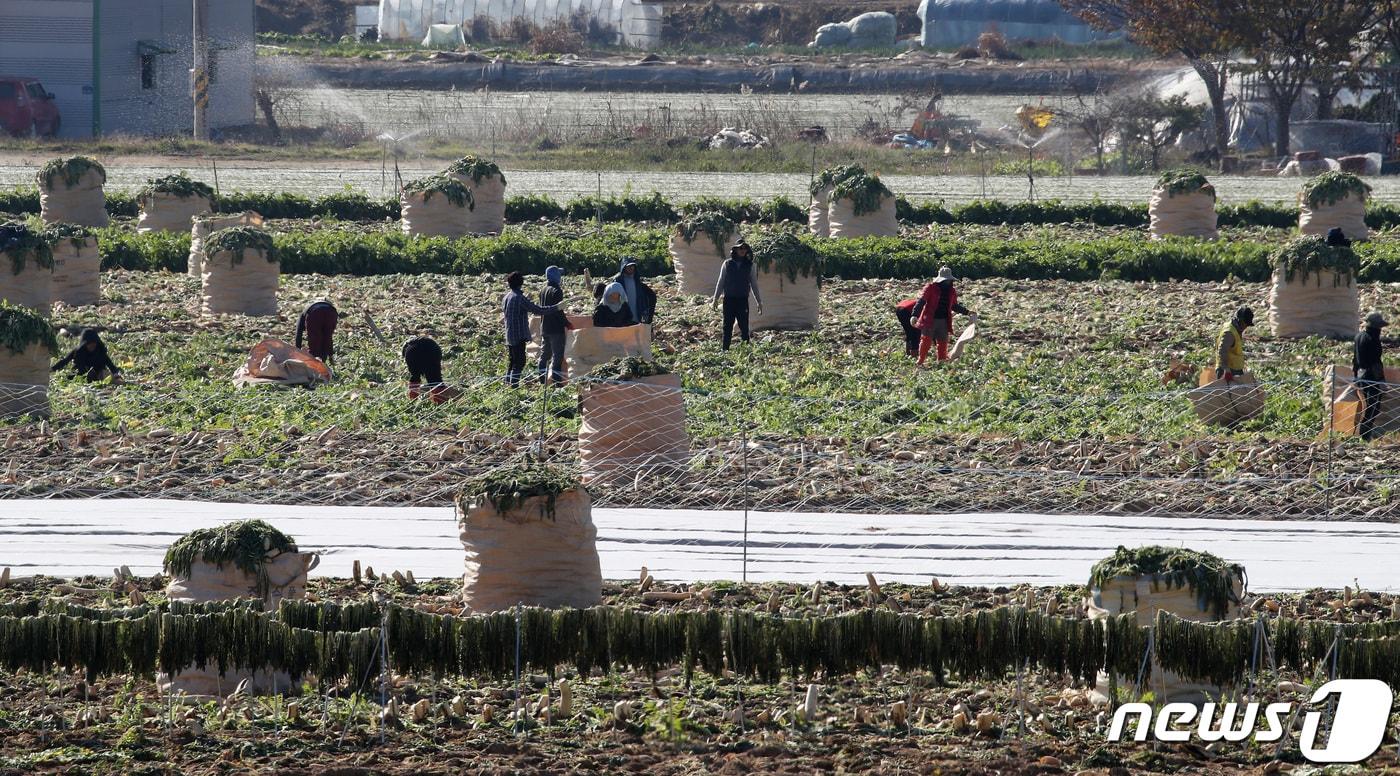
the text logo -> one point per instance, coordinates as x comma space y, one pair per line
1358, 725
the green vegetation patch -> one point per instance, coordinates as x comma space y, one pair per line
1184, 181
782, 251
1329, 188
716, 225
475, 168
247, 544
21, 327
628, 368
24, 244
1210, 577
70, 171
75, 233
1310, 254
831, 176
237, 239
866, 192
456, 191
507, 487
179, 184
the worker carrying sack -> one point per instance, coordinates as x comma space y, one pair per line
70, 192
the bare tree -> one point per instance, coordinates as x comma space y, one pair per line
1096, 117
1157, 123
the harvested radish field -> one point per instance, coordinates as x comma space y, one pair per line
888, 721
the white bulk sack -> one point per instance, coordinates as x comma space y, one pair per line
631, 428
532, 554
1221, 403
203, 226
698, 261
1145, 596
240, 287
82, 203
842, 220
1347, 214
1323, 303
1185, 214
31, 287
532, 349
24, 382
206, 582
817, 222
788, 304
448, 36
488, 216
77, 271
596, 345
165, 212
432, 214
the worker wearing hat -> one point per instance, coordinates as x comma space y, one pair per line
1370, 372
1229, 359
937, 304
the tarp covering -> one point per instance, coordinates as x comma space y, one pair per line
273, 361
636, 23
536, 553
77, 276
1323, 303
953, 23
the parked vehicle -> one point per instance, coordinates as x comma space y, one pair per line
27, 109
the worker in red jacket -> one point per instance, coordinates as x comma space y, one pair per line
906, 311
940, 301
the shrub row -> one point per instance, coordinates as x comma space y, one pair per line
348, 206
530, 250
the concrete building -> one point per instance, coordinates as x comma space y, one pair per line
122, 66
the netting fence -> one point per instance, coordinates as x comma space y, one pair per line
1072, 453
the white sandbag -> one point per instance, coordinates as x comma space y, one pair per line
817, 222
77, 272
203, 226
532, 349
31, 287
24, 382
82, 203
1185, 214
246, 286
165, 212
1347, 214
788, 304
1323, 303
432, 214
488, 216
596, 345
1346, 403
1145, 596
205, 582
535, 554
698, 262
842, 220
873, 29
445, 36
1221, 403
632, 428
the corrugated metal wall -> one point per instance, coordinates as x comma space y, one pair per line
52, 40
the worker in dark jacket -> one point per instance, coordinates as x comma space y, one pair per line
553, 327
1229, 348
737, 279
90, 358
611, 312
907, 312
317, 325
423, 357
1370, 372
641, 300
935, 321
516, 309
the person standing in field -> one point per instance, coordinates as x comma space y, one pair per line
515, 313
737, 279
1370, 372
1229, 348
552, 327
940, 301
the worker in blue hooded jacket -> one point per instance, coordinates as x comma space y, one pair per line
641, 300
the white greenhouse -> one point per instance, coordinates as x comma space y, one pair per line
637, 22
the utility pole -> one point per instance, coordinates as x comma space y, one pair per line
199, 74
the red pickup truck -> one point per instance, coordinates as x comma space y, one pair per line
27, 109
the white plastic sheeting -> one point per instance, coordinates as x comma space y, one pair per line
91, 536
637, 22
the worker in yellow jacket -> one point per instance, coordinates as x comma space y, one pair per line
1229, 358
